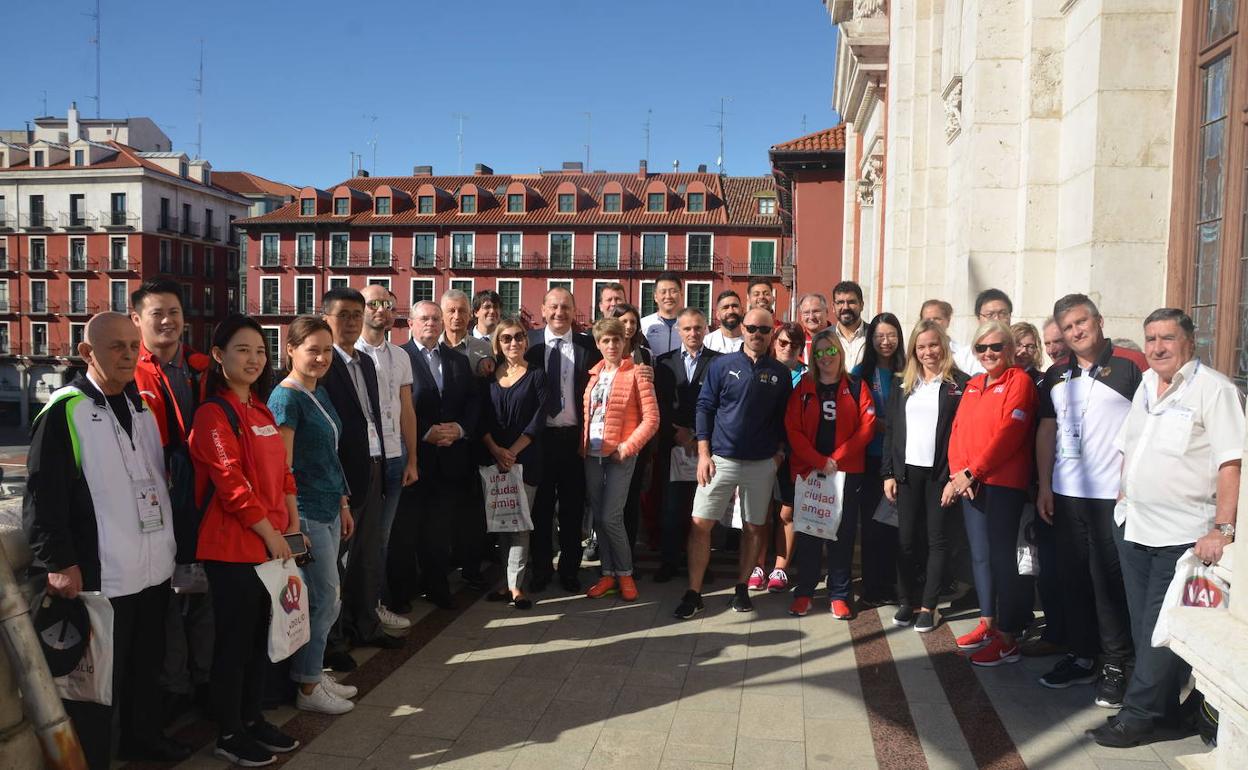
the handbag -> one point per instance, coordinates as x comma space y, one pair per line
1194, 584
506, 504
817, 503
92, 679
289, 624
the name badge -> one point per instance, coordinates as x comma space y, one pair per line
264, 430
1070, 444
596, 431
373, 439
147, 501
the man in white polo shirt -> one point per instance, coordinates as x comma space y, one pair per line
659, 327
1182, 443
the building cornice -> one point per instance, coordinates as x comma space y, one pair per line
861, 58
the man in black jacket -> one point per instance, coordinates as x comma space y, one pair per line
678, 376
352, 386
566, 356
444, 395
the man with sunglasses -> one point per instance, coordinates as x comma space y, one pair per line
398, 426
739, 426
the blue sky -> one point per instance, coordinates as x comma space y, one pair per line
290, 88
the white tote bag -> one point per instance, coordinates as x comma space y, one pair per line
506, 504
1028, 550
817, 502
290, 626
1194, 585
92, 679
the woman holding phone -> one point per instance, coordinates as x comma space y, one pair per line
304, 412
250, 493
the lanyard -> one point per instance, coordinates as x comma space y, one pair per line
1174, 395
1087, 398
332, 425
127, 455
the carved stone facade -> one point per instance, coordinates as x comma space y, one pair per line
953, 110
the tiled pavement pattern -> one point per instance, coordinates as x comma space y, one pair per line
576, 683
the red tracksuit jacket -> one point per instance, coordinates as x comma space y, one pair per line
993, 430
855, 425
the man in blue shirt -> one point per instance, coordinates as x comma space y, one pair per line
740, 433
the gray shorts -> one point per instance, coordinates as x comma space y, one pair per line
751, 479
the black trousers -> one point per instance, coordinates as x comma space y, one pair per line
879, 541
1087, 557
402, 564
240, 656
361, 569
563, 489
470, 533
923, 543
138, 654
1049, 584
443, 502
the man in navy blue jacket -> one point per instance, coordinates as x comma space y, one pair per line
740, 433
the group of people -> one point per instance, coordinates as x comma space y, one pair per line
363, 461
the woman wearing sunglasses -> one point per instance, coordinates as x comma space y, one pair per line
513, 417
915, 468
830, 419
990, 471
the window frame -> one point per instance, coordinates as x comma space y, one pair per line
618, 240
472, 199
6, 339
275, 361
30, 292
710, 296
472, 256
47, 344
650, 197
346, 262
430, 282
569, 198
775, 258
264, 250
86, 293
125, 294
7, 306
519, 284
619, 203
458, 283
303, 280
701, 209
311, 255
433, 262
641, 298
277, 308
303, 207
666, 251
378, 203
519, 261
710, 264
372, 249
550, 250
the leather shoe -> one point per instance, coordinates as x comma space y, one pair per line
1123, 734
384, 642
442, 600
340, 661
571, 584
161, 749
665, 573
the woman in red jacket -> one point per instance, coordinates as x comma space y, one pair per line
251, 506
830, 419
990, 470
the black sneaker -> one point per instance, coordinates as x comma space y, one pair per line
271, 738
1112, 687
904, 616
741, 599
241, 750
1068, 671
690, 605
927, 621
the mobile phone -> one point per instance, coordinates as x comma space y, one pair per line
297, 545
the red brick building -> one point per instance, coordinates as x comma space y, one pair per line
517, 234
810, 174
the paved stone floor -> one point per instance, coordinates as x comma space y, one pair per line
576, 683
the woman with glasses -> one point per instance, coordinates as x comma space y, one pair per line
513, 417
914, 466
990, 472
1027, 355
882, 361
829, 421
787, 347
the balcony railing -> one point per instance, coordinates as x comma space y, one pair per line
7, 222
190, 227
7, 307
42, 263
82, 308
272, 259
122, 264
168, 224
212, 232
80, 263
57, 349
379, 259
271, 308
40, 307
77, 220
307, 260
754, 267
36, 221
118, 220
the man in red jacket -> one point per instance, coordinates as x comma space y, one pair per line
168, 378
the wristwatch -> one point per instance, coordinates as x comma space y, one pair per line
1227, 530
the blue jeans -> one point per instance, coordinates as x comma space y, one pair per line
392, 491
991, 521
324, 598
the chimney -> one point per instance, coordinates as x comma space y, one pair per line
573, 167
641, 170
676, 166
422, 170
362, 172
701, 168
482, 170
71, 121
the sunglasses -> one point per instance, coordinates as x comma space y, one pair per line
995, 347
828, 352
379, 304
782, 342
507, 339
757, 329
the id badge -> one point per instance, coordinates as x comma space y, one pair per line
147, 499
596, 431
373, 439
1071, 445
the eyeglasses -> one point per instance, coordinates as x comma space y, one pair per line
828, 352
996, 315
379, 304
757, 329
1032, 348
507, 339
995, 347
349, 316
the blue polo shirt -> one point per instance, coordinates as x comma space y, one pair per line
741, 406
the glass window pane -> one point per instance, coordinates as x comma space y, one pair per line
1220, 19
1212, 169
607, 251
654, 251
560, 251
763, 258
509, 293
424, 250
648, 305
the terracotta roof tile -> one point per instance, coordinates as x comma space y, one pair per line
828, 140
246, 183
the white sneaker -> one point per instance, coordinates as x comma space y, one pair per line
322, 700
392, 620
338, 689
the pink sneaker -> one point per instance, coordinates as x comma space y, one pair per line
977, 638
997, 652
778, 581
757, 578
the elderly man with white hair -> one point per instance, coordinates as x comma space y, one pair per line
457, 321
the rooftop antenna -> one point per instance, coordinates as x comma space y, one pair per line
589, 133
45, 103
719, 162
96, 42
199, 103
459, 139
646, 128
355, 157
373, 142
803, 123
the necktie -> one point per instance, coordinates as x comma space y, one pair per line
554, 381
434, 366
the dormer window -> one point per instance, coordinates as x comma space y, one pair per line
611, 203
208, 177
383, 206
342, 207
515, 203
307, 207
467, 204
424, 204
695, 203
80, 157
38, 162
767, 207
184, 170
655, 203
567, 203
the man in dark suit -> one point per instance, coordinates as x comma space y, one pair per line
445, 397
352, 386
566, 356
678, 376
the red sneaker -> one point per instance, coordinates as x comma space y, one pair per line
997, 652
840, 609
605, 585
628, 588
800, 606
977, 638
758, 579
